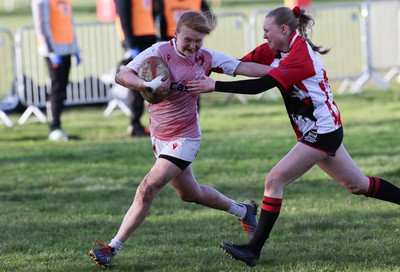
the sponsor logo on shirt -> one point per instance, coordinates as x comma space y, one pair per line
199, 61
178, 87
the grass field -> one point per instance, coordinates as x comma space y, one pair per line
57, 198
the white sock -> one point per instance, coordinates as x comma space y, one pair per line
116, 244
238, 209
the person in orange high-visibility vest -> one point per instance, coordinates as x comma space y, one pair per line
135, 22
169, 12
54, 27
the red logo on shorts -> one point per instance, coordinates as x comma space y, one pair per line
174, 145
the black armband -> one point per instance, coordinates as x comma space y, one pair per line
248, 86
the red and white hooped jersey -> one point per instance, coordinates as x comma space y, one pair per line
177, 116
303, 84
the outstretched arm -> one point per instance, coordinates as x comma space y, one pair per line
252, 69
249, 86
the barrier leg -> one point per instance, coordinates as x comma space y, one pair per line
5, 119
113, 104
28, 112
374, 76
240, 97
343, 86
271, 94
392, 73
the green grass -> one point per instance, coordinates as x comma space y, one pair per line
57, 198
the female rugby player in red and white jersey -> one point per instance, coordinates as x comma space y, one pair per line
302, 80
175, 129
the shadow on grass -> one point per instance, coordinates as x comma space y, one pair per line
60, 228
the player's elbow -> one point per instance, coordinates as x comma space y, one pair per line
121, 78
118, 78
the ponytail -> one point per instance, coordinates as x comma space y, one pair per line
297, 19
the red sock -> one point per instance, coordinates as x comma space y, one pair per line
383, 190
271, 204
374, 184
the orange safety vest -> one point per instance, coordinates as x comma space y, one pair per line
174, 8
61, 25
142, 19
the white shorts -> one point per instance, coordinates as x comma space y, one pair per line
184, 148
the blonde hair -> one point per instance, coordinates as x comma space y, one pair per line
296, 19
203, 22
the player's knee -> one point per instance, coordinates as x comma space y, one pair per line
147, 189
184, 196
194, 195
273, 182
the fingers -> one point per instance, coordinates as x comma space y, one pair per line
197, 86
165, 77
78, 58
165, 86
166, 83
193, 86
55, 60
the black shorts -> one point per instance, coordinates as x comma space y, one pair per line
178, 162
328, 142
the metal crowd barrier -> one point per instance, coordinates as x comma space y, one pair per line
100, 52
381, 43
7, 74
230, 37
359, 47
336, 27
360, 52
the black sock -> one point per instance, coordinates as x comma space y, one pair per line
270, 209
383, 190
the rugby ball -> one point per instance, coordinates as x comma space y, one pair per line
151, 68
